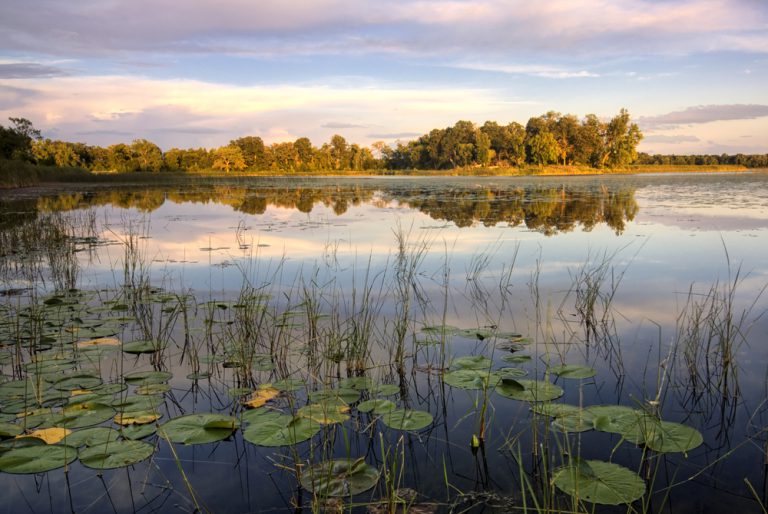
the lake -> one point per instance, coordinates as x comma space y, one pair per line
443, 344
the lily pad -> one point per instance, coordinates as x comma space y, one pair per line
147, 377
115, 454
143, 346
357, 383
340, 478
326, 412
51, 435
599, 482
614, 419
9, 429
472, 362
91, 436
471, 379
36, 458
137, 418
516, 359
198, 428
529, 390
344, 394
77, 381
275, 429
136, 432
377, 406
573, 371
407, 419
384, 390
289, 384
663, 436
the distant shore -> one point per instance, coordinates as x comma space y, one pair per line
28, 175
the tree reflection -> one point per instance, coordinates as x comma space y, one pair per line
546, 209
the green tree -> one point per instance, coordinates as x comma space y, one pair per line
621, 140
16, 140
253, 150
228, 158
543, 148
304, 153
147, 155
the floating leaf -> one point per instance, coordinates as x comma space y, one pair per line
516, 359
614, 419
662, 436
471, 379
153, 389
115, 454
51, 435
9, 429
343, 394
198, 428
357, 383
384, 390
407, 419
529, 390
340, 478
137, 403
99, 342
135, 432
270, 428
137, 418
376, 406
573, 371
472, 362
91, 436
260, 397
326, 412
36, 458
143, 346
147, 377
599, 482
289, 384
77, 381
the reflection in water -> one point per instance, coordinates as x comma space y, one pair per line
547, 209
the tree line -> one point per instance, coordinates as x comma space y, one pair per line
551, 138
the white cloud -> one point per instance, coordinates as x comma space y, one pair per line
192, 113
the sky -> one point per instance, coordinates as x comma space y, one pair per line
692, 73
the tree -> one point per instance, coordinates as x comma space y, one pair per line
543, 148
228, 158
590, 145
621, 140
16, 141
147, 155
304, 151
339, 152
253, 150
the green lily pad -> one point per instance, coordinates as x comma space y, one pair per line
614, 419
599, 482
325, 412
137, 403
472, 362
81, 415
377, 406
516, 359
91, 437
270, 428
357, 383
77, 381
37, 458
348, 396
471, 379
289, 384
529, 390
115, 454
143, 346
147, 377
9, 429
573, 371
384, 390
198, 428
153, 389
136, 432
340, 478
407, 419
663, 436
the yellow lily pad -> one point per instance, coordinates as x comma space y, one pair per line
51, 435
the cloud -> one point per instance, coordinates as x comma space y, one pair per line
484, 28
704, 114
24, 70
341, 125
197, 113
532, 70
665, 139
394, 135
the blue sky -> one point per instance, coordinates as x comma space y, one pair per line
692, 73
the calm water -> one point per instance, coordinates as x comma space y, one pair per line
496, 256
